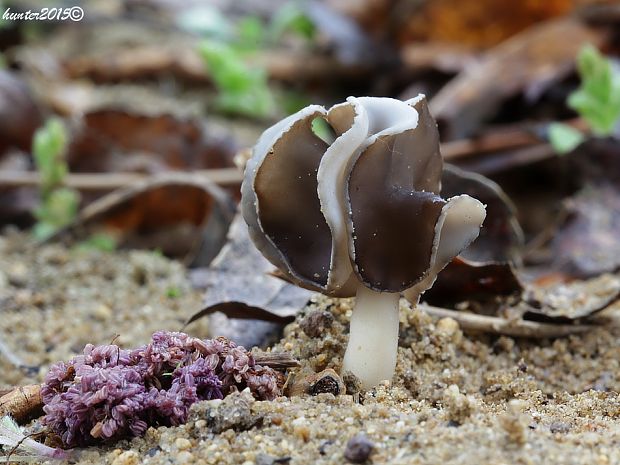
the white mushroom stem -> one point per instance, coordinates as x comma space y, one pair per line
373, 338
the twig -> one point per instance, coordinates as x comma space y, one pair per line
501, 139
22, 403
498, 162
513, 328
111, 181
276, 360
476, 153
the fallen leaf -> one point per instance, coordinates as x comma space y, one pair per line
19, 115
587, 244
116, 140
501, 237
483, 23
571, 301
182, 215
534, 58
239, 284
464, 280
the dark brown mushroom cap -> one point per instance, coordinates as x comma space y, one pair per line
364, 209
394, 207
280, 202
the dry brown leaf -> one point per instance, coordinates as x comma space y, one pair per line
501, 237
532, 59
182, 215
238, 282
481, 23
116, 140
19, 115
464, 280
587, 244
571, 301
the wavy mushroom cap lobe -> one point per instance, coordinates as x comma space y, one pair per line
392, 194
364, 209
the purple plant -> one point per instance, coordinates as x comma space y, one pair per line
109, 393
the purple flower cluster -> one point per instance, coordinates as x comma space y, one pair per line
109, 393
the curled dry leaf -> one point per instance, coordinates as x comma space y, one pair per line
587, 244
182, 215
483, 271
465, 280
19, 119
19, 115
116, 140
478, 24
501, 237
527, 62
254, 305
571, 301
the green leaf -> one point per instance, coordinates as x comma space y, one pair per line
48, 151
597, 100
251, 32
290, 17
173, 292
42, 230
100, 241
62, 206
241, 89
323, 130
564, 138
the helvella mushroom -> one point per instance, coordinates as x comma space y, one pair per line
360, 216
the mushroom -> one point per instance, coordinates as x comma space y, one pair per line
360, 216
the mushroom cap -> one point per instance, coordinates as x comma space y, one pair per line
363, 209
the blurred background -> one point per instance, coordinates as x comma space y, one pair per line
122, 91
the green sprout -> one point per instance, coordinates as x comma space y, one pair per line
173, 292
597, 101
58, 205
291, 18
99, 241
242, 88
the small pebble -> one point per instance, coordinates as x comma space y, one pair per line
182, 443
184, 457
127, 458
447, 326
316, 323
358, 449
102, 312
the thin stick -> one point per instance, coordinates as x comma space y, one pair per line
496, 325
111, 181
507, 138
276, 360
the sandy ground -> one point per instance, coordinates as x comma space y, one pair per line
456, 398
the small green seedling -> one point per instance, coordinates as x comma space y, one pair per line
173, 292
241, 89
99, 241
58, 205
291, 18
597, 101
